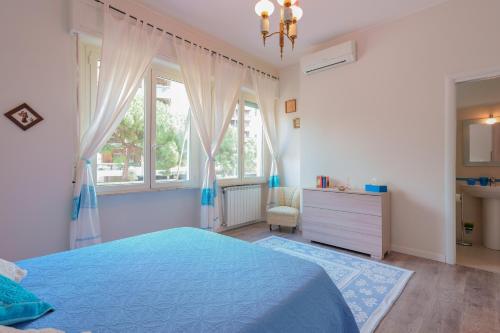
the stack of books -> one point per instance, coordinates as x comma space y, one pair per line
322, 181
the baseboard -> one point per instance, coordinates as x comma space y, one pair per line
418, 253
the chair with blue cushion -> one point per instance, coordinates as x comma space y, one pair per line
287, 212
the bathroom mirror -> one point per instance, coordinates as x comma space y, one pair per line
482, 142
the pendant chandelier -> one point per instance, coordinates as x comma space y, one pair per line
290, 13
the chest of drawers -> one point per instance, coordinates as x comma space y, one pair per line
358, 221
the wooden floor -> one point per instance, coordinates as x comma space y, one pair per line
438, 298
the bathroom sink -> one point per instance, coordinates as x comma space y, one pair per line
490, 192
490, 196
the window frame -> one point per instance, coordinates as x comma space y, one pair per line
173, 73
89, 53
240, 179
144, 186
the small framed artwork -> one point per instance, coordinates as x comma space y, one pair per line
296, 123
291, 106
24, 116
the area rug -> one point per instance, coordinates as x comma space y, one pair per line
369, 288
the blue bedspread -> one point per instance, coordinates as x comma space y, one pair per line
184, 280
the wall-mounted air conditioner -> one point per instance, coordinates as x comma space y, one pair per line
332, 57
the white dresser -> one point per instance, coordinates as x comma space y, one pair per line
354, 220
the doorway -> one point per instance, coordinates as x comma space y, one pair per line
464, 94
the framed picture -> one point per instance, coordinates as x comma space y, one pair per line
296, 123
24, 116
291, 106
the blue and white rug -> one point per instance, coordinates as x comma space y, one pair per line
369, 288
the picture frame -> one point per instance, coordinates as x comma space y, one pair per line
291, 106
24, 116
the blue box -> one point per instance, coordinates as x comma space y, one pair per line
375, 188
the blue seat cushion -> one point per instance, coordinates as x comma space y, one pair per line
17, 304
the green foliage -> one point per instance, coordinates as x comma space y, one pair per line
251, 156
171, 135
127, 142
227, 158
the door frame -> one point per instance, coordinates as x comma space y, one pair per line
450, 130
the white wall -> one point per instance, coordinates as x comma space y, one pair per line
383, 116
289, 137
37, 66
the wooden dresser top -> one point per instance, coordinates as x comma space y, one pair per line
333, 190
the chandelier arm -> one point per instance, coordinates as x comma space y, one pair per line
272, 34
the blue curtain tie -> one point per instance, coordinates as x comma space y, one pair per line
274, 181
209, 194
86, 199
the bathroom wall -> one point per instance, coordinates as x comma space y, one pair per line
474, 112
478, 92
469, 96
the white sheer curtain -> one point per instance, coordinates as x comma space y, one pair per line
211, 111
266, 90
228, 79
197, 69
128, 48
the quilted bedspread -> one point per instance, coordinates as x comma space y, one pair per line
184, 280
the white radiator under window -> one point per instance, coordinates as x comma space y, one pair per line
242, 204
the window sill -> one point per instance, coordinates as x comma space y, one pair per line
123, 191
102, 191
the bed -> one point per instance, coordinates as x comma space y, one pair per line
184, 280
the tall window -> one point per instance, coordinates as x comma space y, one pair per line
121, 160
151, 147
171, 144
252, 136
227, 160
240, 157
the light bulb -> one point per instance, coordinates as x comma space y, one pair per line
491, 120
297, 12
264, 7
282, 2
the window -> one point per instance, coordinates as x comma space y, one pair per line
227, 161
252, 141
152, 146
240, 157
121, 160
171, 144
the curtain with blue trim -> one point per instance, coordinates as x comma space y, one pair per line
266, 89
88, 230
212, 84
128, 49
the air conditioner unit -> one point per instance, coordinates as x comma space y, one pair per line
332, 57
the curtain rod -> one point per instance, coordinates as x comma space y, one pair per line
189, 42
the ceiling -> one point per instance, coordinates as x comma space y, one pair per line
235, 21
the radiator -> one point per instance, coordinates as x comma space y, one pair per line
242, 204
